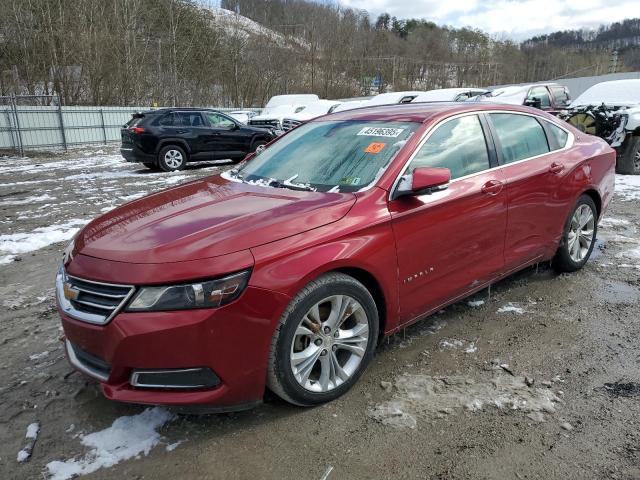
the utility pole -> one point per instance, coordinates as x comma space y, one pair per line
613, 62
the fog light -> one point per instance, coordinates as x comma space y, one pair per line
187, 378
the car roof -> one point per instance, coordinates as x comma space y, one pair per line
421, 112
179, 109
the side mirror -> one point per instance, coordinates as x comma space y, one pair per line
423, 180
534, 102
260, 149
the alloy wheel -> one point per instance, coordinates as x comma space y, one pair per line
329, 343
173, 159
581, 233
636, 161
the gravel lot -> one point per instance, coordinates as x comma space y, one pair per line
540, 378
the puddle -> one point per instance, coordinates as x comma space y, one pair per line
617, 292
619, 389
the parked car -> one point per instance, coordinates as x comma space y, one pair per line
168, 138
388, 98
286, 271
243, 116
280, 106
449, 95
313, 110
550, 97
611, 110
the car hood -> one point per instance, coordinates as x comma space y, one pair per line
206, 218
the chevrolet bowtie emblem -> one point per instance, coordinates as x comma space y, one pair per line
70, 293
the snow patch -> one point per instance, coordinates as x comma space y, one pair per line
475, 303
126, 438
38, 356
628, 187
28, 200
512, 308
39, 238
436, 397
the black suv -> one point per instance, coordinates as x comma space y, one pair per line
168, 138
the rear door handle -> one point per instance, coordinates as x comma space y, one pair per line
556, 167
492, 187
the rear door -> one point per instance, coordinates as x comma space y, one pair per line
533, 169
451, 242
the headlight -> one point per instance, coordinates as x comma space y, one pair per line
212, 293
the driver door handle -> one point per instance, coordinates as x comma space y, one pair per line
492, 187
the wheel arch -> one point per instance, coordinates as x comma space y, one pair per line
173, 141
372, 284
595, 196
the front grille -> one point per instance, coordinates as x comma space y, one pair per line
89, 301
288, 124
265, 123
88, 363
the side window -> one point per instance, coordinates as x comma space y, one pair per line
520, 136
541, 93
458, 145
561, 96
167, 120
219, 121
558, 138
188, 119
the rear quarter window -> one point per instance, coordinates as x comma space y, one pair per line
558, 137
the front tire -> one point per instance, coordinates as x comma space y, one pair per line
579, 236
325, 340
172, 158
629, 160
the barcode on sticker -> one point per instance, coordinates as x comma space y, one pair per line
381, 132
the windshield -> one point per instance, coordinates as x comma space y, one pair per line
338, 156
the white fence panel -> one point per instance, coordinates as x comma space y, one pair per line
50, 126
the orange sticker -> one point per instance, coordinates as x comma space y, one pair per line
374, 147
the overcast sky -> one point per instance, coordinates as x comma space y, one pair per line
516, 19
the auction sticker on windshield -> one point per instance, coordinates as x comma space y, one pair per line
374, 147
381, 132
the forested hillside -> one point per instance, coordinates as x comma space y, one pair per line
178, 52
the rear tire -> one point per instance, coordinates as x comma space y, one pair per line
172, 158
578, 237
628, 162
318, 355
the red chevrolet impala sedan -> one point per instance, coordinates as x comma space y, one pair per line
285, 272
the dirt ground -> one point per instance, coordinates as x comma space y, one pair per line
538, 378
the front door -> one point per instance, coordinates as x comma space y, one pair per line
225, 138
450, 242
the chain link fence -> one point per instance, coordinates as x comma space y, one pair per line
39, 122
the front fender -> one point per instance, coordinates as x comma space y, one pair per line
287, 265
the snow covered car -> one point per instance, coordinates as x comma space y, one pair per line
279, 107
611, 110
314, 110
243, 116
389, 98
550, 97
449, 95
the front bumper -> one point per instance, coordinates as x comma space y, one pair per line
232, 341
